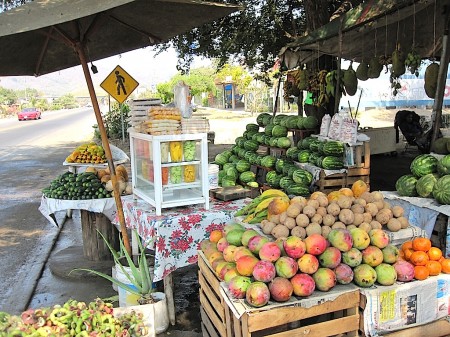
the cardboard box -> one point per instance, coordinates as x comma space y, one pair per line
404, 305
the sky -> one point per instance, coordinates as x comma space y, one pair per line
142, 64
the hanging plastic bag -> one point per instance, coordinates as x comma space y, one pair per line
335, 127
182, 97
325, 125
349, 130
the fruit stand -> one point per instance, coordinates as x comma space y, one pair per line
315, 265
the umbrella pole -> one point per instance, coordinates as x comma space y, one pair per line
105, 142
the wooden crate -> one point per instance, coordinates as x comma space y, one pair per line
298, 134
339, 317
216, 321
334, 182
260, 172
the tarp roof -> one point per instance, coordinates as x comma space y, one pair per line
373, 29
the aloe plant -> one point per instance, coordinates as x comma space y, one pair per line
139, 276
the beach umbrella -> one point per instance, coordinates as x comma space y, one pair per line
45, 36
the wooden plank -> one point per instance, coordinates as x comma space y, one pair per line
323, 329
208, 273
208, 329
213, 298
358, 171
216, 322
278, 316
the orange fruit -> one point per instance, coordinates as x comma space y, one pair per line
445, 263
401, 254
422, 244
215, 235
435, 254
408, 253
419, 258
407, 245
434, 267
421, 272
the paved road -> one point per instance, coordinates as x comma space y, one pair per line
31, 155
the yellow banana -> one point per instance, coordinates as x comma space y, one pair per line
265, 203
271, 192
249, 217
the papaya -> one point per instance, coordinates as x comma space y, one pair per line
431, 76
362, 70
350, 81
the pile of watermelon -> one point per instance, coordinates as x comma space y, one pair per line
429, 178
235, 164
328, 155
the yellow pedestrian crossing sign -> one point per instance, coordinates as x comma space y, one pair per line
119, 84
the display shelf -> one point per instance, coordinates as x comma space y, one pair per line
151, 167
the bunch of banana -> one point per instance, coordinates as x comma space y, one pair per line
257, 209
323, 97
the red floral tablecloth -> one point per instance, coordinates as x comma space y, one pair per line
176, 234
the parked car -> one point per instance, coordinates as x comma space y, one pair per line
29, 113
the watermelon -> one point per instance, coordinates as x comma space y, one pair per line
301, 176
267, 119
310, 122
332, 163
250, 134
320, 147
298, 189
252, 127
247, 176
268, 129
443, 166
425, 185
287, 165
268, 161
221, 174
273, 142
291, 171
278, 118
319, 160
284, 142
441, 190
260, 137
406, 185
440, 146
221, 158
313, 158
292, 153
232, 173
279, 164
333, 148
303, 156
305, 142
227, 166
240, 141
314, 145
424, 164
285, 182
252, 184
300, 121
242, 166
291, 122
260, 118
241, 152
227, 182
251, 145
279, 131
273, 179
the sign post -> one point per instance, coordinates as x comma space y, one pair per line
119, 84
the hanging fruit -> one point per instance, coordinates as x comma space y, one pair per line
362, 71
431, 76
413, 62
350, 81
398, 62
375, 68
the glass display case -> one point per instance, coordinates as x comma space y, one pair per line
170, 170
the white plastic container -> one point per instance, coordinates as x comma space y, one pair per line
213, 176
126, 298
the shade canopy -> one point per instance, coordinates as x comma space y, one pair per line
34, 37
374, 28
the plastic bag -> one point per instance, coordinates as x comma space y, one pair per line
349, 130
335, 127
325, 125
182, 97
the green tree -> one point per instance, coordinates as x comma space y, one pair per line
238, 75
8, 96
67, 101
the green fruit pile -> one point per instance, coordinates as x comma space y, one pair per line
73, 186
73, 319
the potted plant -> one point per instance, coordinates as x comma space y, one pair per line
135, 285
